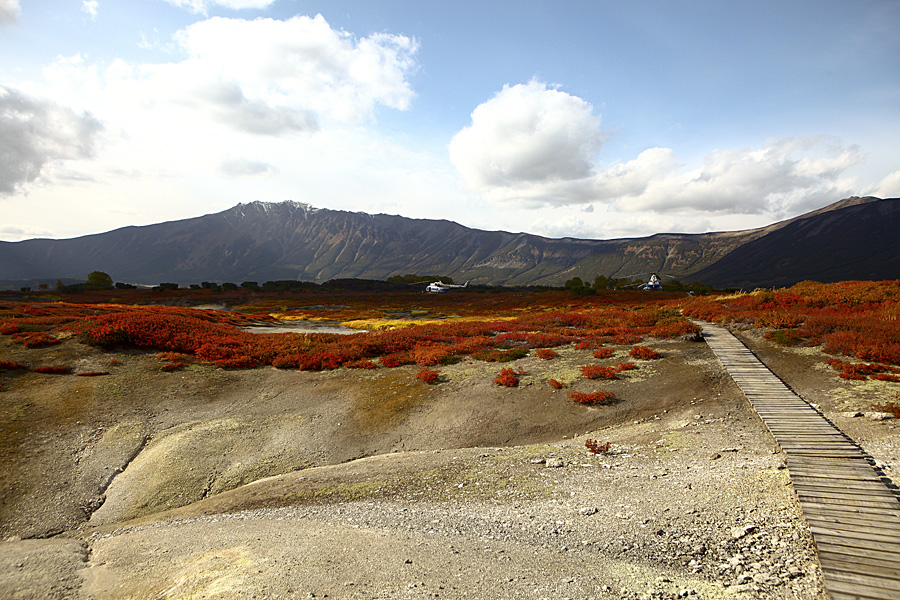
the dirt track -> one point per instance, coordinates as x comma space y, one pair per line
471, 490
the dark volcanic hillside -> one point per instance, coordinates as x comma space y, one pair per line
293, 241
288, 240
858, 241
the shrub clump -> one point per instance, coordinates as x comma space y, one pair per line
429, 376
507, 378
598, 397
53, 370
546, 353
643, 353
604, 353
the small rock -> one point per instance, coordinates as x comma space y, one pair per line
851, 414
554, 463
740, 532
587, 511
878, 416
715, 456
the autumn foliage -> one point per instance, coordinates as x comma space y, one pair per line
598, 397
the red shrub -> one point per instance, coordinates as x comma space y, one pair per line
52, 370
429, 376
889, 407
92, 373
363, 363
172, 366
9, 328
556, 385
10, 366
115, 362
546, 353
884, 377
643, 353
507, 378
625, 366
598, 372
595, 447
604, 352
596, 397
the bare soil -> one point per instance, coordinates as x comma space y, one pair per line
206, 483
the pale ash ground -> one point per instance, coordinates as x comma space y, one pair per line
255, 484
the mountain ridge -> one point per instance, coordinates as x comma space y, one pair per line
259, 241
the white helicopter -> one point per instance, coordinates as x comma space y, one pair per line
653, 284
438, 287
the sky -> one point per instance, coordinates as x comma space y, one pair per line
572, 118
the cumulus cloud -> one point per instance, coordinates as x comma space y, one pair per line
35, 132
91, 7
202, 6
301, 63
265, 76
9, 12
533, 146
529, 141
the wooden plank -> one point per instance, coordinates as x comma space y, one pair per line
839, 540
883, 529
824, 508
852, 562
885, 583
854, 536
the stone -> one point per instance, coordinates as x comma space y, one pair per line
878, 416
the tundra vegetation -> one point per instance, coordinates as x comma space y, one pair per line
855, 324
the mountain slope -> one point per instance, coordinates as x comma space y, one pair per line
269, 241
852, 241
293, 241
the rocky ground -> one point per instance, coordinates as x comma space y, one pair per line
370, 484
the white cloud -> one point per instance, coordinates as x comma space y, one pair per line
889, 187
789, 175
9, 12
91, 7
34, 133
529, 141
531, 146
202, 6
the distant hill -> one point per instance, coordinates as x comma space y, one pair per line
851, 241
295, 241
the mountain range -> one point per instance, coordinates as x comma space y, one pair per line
855, 238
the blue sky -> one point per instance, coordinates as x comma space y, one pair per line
569, 118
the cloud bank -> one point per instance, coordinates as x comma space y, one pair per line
532, 145
35, 132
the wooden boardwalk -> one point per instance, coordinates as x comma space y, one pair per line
854, 517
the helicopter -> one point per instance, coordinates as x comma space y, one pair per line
653, 283
438, 287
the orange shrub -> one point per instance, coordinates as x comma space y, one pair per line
643, 353
598, 372
556, 385
546, 353
429, 376
507, 378
604, 353
597, 397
